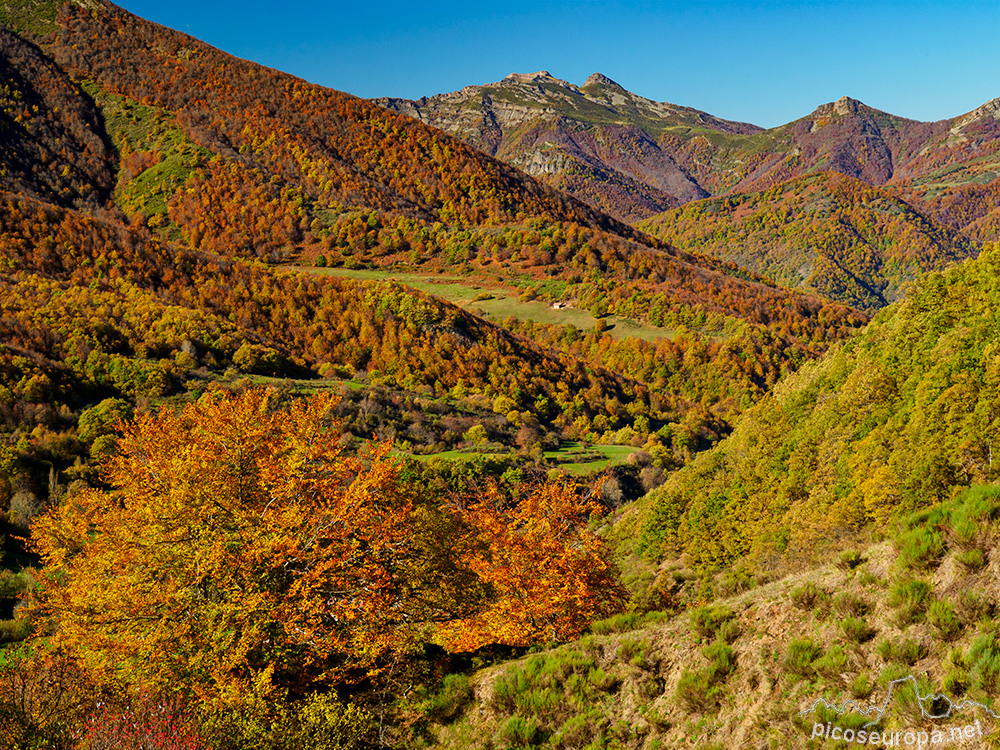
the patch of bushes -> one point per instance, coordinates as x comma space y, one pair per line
984, 663
800, 656
857, 630
972, 606
860, 687
850, 559
700, 689
920, 548
831, 663
910, 600
516, 732
705, 621
809, 596
14, 631
973, 560
618, 624
454, 695
848, 604
941, 615
908, 651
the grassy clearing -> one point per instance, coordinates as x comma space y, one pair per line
576, 460
463, 291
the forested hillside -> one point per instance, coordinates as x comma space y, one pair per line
893, 421
826, 233
257, 493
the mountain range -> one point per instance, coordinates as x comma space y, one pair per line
925, 193
634, 157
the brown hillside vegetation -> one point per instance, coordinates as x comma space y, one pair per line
50, 144
827, 233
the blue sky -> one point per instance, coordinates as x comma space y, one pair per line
766, 63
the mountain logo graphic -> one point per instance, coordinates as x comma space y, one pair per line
931, 699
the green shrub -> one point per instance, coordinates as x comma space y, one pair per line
984, 663
850, 559
980, 503
508, 687
696, 690
14, 631
972, 560
734, 582
453, 696
908, 651
618, 624
910, 599
628, 649
800, 656
942, 616
847, 604
13, 584
705, 621
539, 702
972, 606
575, 732
722, 658
831, 663
956, 682
601, 679
808, 596
860, 687
857, 630
729, 631
516, 732
920, 547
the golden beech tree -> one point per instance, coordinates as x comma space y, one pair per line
240, 553
240, 550
547, 574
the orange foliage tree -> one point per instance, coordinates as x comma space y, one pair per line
548, 574
240, 552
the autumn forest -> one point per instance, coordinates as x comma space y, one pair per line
323, 425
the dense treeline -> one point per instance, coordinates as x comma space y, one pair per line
91, 309
339, 148
829, 233
50, 145
892, 421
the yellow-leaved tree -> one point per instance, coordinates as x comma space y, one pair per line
548, 576
240, 553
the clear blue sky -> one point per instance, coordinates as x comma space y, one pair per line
763, 62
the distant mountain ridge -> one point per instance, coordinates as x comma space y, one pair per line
575, 137
633, 157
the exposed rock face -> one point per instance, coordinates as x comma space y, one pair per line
599, 141
632, 157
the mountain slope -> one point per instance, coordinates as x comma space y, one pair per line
50, 144
598, 141
824, 233
892, 421
753, 668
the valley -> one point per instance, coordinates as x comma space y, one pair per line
532, 415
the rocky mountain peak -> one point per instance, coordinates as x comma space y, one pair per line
845, 105
599, 79
539, 77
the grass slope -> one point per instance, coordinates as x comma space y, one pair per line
745, 670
